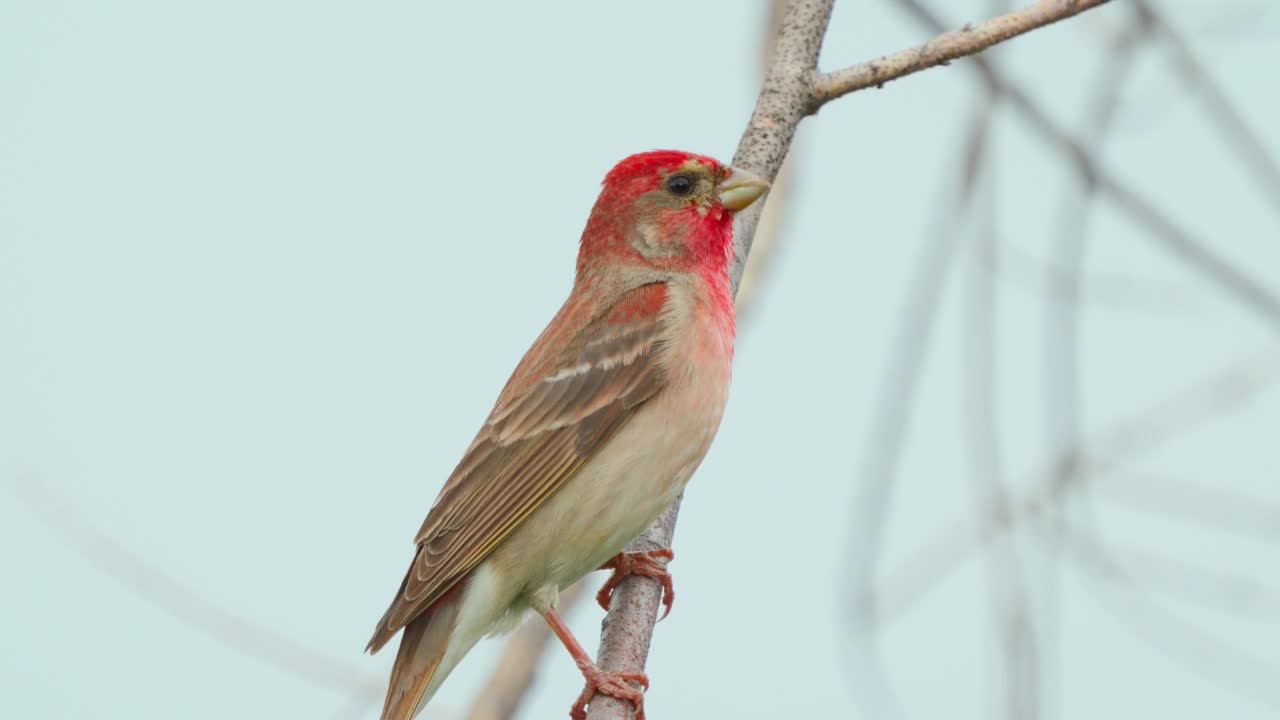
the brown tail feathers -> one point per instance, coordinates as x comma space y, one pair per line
422, 646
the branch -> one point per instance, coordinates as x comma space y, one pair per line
969, 40
771, 223
790, 92
785, 99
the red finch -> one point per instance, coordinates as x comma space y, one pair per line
597, 431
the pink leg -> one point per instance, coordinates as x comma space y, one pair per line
614, 684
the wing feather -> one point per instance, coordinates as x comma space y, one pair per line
551, 419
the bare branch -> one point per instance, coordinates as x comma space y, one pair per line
969, 40
771, 217
785, 99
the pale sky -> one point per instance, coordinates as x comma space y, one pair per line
265, 265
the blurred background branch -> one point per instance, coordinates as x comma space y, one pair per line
175, 596
879, 600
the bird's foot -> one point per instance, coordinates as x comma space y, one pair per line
613, 684
639, 563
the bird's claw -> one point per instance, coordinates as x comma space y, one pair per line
639, 563
613, 684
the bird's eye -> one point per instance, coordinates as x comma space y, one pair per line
680, 185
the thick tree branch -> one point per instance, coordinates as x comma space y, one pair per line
941, 50
785, 99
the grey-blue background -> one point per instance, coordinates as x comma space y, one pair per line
264, 267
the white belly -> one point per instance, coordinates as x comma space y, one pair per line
619, 492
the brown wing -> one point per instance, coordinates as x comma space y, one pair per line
572, 391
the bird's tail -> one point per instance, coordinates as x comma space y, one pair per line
422, 649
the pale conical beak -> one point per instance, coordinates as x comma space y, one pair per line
739, 189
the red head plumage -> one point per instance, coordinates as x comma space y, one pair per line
663, 209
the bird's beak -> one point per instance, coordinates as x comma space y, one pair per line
739, 189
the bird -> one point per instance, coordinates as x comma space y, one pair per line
597, 431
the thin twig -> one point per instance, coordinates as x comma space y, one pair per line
969, 40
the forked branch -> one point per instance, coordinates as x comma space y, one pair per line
792, 90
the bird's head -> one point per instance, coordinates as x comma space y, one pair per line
668, 209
